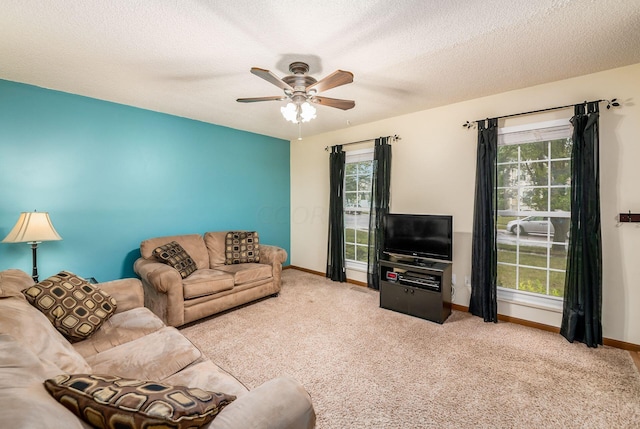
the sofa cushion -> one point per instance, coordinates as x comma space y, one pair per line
242, 247
109, 401
193, 244
208, 376
245, 273
119, 329
215, 242
206, 282
75, 307
175, 256
155, 356
25, 402
33, 330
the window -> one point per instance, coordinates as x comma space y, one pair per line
357, 203
534, 211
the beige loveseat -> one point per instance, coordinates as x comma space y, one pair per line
214, 286
133, 343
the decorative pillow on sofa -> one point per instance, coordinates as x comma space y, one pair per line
174, 255
106, 401
242, 247
76, 308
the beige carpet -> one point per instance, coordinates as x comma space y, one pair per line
366, 367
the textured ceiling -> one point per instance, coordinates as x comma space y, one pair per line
192, 58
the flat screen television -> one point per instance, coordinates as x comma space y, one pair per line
419, 235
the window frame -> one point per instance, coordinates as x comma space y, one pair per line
350, 158
523, 134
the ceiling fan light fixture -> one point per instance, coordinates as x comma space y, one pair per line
290, 112
296, 113
308, 112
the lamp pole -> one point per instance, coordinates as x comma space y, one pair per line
34, 251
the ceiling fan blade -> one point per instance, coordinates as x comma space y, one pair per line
337, 78
272, 78
334, 102
253, 100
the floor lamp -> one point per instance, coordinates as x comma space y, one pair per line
33, 228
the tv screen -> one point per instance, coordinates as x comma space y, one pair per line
421, 236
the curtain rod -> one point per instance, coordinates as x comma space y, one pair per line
613, 102
394, 138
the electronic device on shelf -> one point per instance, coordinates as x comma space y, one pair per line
419, 235
420, 280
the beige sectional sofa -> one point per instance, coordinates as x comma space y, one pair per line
214, 286
132, 343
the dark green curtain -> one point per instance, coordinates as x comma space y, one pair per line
335, 249
582, 313
380, 184
484, 255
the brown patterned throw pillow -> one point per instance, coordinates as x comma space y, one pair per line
106, 401
241, 247
174, 255
76, 308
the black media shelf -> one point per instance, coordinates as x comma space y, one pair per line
416, 287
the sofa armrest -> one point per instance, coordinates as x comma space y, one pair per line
161, 276
128, 293
164, 294
281, 403
272, 254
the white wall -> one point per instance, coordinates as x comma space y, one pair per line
433, 171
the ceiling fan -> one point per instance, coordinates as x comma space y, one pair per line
302, 89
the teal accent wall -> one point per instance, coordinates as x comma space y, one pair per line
112, 175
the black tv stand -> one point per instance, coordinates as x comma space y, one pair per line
415, 286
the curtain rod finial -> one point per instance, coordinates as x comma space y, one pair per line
612, 103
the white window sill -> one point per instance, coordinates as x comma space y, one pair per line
528, 299
356, 266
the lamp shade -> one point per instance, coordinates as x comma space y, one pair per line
32, 227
